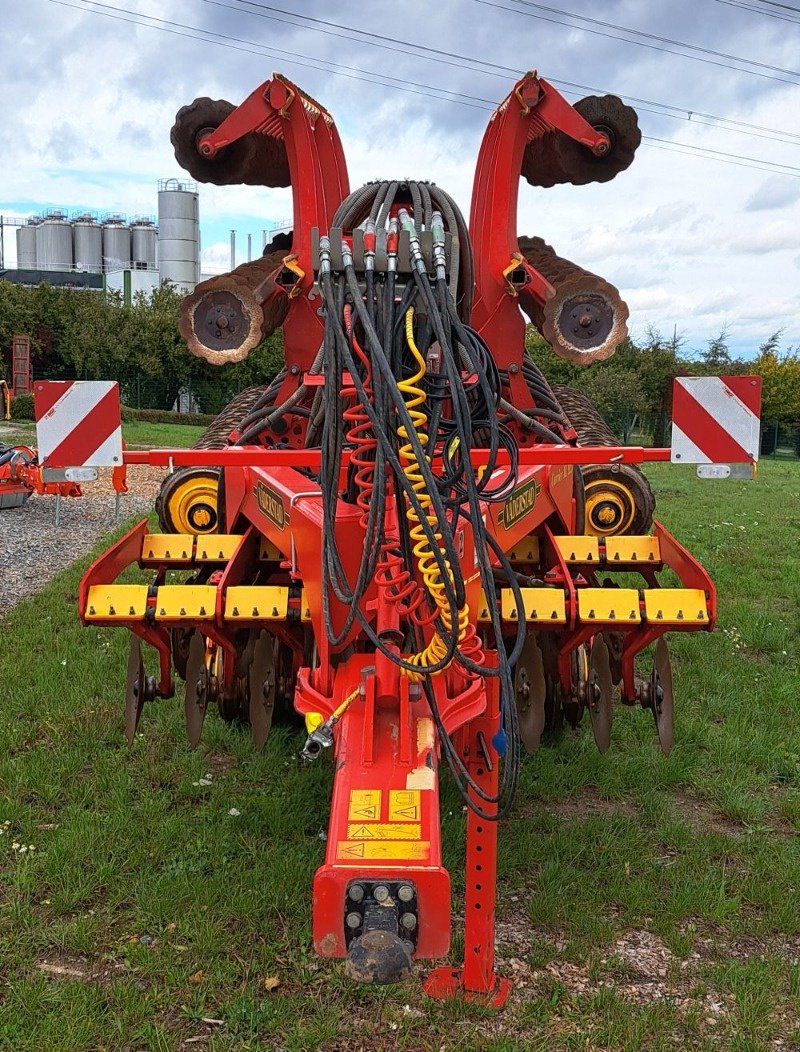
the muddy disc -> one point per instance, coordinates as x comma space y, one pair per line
531, 689
135, 689
262, 689
197, 689
662, 698
600, 688
607, 114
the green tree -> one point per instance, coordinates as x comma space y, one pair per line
780, 378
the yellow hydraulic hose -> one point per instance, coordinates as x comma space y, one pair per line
414, 397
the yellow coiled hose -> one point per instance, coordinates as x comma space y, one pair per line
414, 397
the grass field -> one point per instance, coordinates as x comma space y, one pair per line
137, 434
645, 903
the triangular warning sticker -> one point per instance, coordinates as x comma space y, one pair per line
404, 812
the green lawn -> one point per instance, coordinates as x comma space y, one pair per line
645, 903
137, 434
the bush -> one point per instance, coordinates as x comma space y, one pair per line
22, 407
164, 416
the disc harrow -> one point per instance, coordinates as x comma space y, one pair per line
553, 158
226, 317
586, 319
404, 536
253, 159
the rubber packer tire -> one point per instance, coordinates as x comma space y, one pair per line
169, 489
594, 431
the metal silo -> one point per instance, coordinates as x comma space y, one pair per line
144, 236
116, 244
26, 245
87, 241
179, 234
54, 242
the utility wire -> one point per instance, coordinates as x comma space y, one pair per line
643, 43
238, 44
787, 7
761, 11
442, 57
698, 48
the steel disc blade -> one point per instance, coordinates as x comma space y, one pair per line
197, 682
134, 689
600, 688
663, 697
262, 689
531, 689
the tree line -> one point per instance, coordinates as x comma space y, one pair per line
635, 385
81, 334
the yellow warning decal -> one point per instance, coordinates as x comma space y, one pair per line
405, 850
384, 831
365, 805
404, 805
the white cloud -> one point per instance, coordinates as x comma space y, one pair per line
683, 236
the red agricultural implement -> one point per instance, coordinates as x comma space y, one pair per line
21, 476
409, 537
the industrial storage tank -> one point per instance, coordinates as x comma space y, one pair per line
116, 244
144, 238
87, 242
179, 233
54, 242
26, 245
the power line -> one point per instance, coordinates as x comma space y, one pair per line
307, 61
236, 43
642, 43
663, 40
742, 6
442, 57
790, 169
788, 7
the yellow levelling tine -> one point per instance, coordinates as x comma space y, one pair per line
676, 606
629, 549
216, 547
256, 603
544, 605
116, 602
180, 602
525, 551
177, 549
579, 549
609, 605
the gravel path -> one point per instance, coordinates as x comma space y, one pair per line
33, 549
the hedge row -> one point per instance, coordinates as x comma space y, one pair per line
22, 409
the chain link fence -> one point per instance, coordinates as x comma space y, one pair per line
138, 391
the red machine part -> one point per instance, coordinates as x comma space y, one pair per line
389, 730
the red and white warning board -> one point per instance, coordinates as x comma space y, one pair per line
78, 423
716, 419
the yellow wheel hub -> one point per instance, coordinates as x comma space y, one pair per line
192, 506
610, 507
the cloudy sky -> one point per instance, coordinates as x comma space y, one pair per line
693, 240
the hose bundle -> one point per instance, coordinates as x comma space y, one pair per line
418, 385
